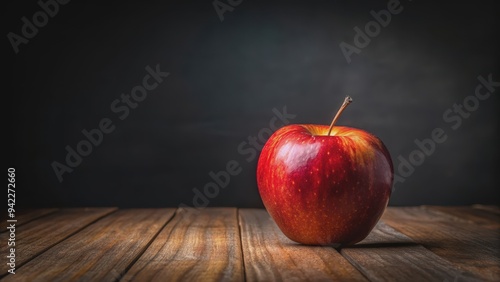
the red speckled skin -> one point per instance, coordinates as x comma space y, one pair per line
324, 190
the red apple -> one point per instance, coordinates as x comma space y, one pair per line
325, 185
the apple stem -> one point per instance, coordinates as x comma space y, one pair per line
347, 101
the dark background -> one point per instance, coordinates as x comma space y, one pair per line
225, 79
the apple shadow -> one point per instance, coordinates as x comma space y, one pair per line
375, 245
365, 244
379, 245
295, 244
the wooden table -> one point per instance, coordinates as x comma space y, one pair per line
107, 244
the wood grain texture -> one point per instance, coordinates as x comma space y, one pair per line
39, 235
270, 256
493, 209
100, 252
202, 246
24, 216
387, 255
481, 217
468, 246
427, 243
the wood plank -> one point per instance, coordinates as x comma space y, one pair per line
270, 256
39, 235
24, 216
468, 246
387, 255
99, 252
202, 246
480, 217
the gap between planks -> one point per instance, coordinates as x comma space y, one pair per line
37, 236
100, 251
470, 244
200, 245
24, 216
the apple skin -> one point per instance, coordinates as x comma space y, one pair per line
325, 190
